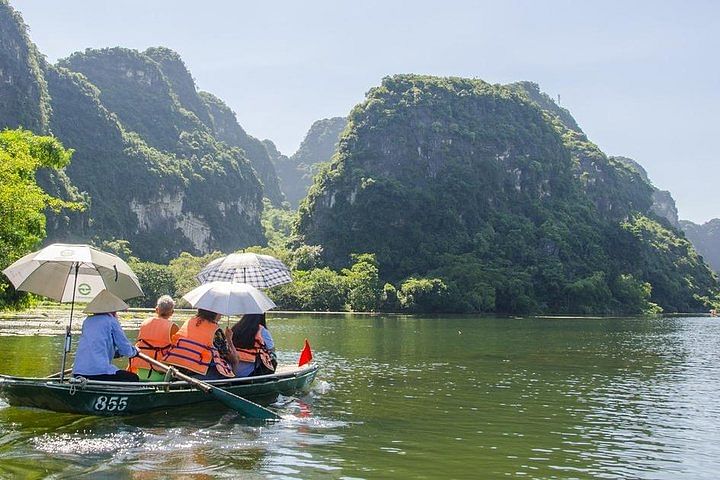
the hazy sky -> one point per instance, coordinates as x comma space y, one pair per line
641, 77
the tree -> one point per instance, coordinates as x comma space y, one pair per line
389, 300
589, 294
22, 202
321, 289
634, 295
185, 267
423, 295
363, 282
156, 280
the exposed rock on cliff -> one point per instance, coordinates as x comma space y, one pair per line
663, 204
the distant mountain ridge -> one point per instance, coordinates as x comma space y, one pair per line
706, 238
296, 172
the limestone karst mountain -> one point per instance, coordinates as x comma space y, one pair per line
500, 194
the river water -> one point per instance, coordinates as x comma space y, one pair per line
412, 397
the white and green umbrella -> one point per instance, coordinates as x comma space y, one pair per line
73, 273
50, 272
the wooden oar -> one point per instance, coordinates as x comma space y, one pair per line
58, 374
242, 405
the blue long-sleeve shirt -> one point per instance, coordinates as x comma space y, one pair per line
101, 337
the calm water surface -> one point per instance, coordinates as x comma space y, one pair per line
411, 397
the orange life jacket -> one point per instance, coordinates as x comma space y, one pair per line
192, 348
153, 340
250, 354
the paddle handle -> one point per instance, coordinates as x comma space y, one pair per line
175, 373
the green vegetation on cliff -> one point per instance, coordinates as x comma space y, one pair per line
104, 151
478, 186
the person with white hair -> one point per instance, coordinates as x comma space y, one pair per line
154, 339
103, 339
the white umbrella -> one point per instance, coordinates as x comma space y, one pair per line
261, 271
229, 298
51, 272
70, 273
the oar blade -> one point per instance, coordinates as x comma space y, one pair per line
244, 406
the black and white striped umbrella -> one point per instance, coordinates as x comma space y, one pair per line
261, 271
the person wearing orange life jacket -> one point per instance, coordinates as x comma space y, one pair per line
154, 340
202, 349
254, 345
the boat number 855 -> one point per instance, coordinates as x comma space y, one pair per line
110, 404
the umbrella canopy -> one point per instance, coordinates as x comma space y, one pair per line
229, 298
261, 271
51, 272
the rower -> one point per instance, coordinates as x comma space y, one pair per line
101, 340
154, 340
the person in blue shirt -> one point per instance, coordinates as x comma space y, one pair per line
254, 345
102, 339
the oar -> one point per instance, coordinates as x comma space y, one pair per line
242, 405
56, 375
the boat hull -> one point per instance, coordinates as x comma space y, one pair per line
116, 398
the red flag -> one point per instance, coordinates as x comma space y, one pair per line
305, 355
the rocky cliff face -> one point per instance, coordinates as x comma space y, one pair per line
215, 196
614, 189
447, 176
296, 173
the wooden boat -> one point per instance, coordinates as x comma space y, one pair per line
91, 397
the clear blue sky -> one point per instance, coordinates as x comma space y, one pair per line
641, 77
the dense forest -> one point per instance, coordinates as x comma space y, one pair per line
432, 195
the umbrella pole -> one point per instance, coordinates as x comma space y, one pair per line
68, 329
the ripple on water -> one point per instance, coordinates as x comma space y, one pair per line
86, 444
